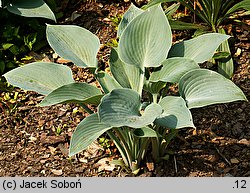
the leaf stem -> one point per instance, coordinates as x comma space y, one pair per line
155, 98
124, 143
141, 83
119, 147
86, 108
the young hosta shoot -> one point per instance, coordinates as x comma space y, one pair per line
134, 120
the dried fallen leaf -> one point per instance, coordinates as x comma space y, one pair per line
234, 161
32, 139
93, 150
238, 52
52, 150
43, 161
62, 61
244, 142
51, 139
83, 160
104, 164
150, 166
57, 172
64, 149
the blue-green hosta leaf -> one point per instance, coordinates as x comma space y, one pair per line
202, 87
146, 40
121, 107
130, 14
107, 82
34, 8
173, 69
176, 115
74, 43
42, 77
74, 92
226, 65
199, 49
128, 76
88, 130
145, 132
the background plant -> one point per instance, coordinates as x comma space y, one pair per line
133, 107
215, 14
18, 36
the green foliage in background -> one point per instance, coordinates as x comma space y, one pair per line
214, 13
20, 35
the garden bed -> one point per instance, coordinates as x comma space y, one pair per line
34, 141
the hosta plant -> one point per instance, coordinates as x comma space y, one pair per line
133, 106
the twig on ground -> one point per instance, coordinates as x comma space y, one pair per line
175, 165
218, 151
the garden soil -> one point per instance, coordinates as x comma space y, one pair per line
34, 141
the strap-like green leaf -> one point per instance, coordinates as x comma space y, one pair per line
245, 4
34, 8
155, 2
86, 132
107, 82
173, 69
199, 49
180, 25
130, 14
202, 87
121, 107
145, 132
176, 115
128, 76
42, 77
146, 40
74, 43
74, 92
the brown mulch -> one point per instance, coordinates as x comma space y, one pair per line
34, 141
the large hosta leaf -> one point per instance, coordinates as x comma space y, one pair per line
199, 49
74, 92
128, 76
86, 132
176, 114
146, 40
42, 77
204, 87
74, 43
226, 65
122, 108
130, 14
173, 69
107, 82
34, 8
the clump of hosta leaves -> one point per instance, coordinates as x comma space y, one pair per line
145, 61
